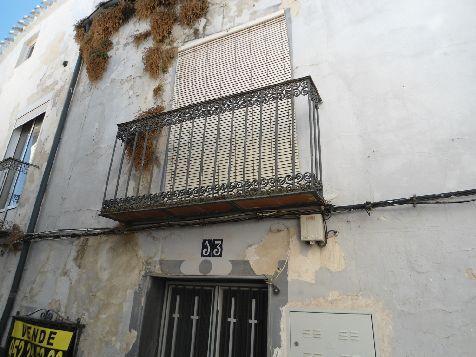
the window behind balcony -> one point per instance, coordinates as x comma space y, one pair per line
21, 147
226, 148
243, 60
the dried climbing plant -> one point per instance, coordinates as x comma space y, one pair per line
141, 37
158, 59
142, 153
145, 8
96, 43
15, 238
191, 11
94, 39
161, 24
158, 89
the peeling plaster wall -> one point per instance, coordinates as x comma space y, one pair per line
8, 263
397, 120
96, 278
411, 273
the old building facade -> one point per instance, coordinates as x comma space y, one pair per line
222, 225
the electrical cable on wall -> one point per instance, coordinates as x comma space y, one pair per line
414, 201
327, 210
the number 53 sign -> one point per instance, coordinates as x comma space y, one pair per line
212, 248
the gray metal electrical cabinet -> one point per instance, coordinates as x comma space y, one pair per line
331, 334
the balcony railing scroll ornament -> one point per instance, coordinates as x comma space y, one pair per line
233, 190
277, 92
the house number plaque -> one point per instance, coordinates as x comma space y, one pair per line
212, 248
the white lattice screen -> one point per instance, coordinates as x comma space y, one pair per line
247, 59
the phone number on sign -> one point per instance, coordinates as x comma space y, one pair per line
20, 348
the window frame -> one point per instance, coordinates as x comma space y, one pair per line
27, 50
27, 144
30, 49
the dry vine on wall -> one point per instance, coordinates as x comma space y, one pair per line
14, 241
143, 154
94, 40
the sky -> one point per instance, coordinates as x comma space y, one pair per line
11, 11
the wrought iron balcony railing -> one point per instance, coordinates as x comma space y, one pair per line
12, 179
241, 153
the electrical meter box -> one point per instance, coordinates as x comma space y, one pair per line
312, 228
331, 334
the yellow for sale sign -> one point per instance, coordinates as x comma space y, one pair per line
38, 339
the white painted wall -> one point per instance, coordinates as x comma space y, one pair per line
397, 80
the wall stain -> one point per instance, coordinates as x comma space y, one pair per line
82, 247
54, 52
293, 5
470, 274
305, 260
129, 340
265, 256
55, 304
111, 269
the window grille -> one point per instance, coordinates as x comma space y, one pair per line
214, 320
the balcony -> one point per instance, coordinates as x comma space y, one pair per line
235, 156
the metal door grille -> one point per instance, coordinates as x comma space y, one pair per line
188, 322
243, 325
214, 320
240, 145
